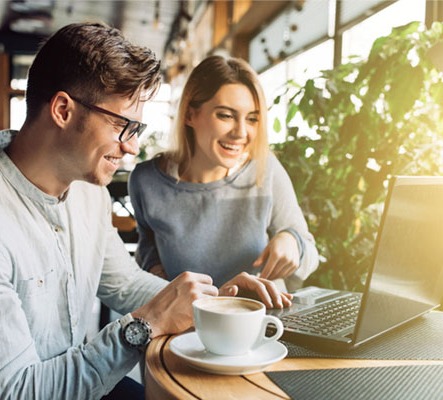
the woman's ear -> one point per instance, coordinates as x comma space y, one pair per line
60, 108
190, 112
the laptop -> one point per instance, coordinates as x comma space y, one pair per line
405, 280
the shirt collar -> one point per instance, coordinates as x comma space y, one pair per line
6, 137
15, 177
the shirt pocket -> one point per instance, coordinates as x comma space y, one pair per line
43, 300
41, 284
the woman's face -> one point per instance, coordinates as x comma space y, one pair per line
224, 128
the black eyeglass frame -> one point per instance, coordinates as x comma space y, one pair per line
138, 128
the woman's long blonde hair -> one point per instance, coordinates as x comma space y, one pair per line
203, 83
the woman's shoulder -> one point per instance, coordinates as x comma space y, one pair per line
156, 170
273, 163
275, 171
272, 157
144, 171
149, 165
149, 162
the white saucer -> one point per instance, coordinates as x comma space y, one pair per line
189, 347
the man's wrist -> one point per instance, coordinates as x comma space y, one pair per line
135, 331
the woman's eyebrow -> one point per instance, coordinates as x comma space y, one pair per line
225, 108
233, 110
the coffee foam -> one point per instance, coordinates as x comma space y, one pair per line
229, 306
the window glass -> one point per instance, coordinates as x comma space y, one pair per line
358, 40
18, 112
299, 68
273, 81
289, 33
156, 137
155, 111
308, 64
352, 9
20, 66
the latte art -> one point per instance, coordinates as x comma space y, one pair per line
228, 306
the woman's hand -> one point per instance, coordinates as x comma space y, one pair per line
281, 257
264, 289
158, 270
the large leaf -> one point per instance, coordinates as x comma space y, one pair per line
375, 118
405, 90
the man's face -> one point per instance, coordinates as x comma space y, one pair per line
97, 150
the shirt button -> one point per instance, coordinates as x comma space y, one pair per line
40, 282
57, 228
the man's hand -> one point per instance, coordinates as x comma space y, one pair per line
170, 311
265, 290
281, 257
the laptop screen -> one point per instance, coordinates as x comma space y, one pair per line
406, 279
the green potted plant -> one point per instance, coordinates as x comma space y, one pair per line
369, 119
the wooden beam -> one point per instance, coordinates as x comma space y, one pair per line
258, 15
4, 91
250, 17
239, 9
221, 21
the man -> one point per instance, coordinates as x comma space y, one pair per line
58, 249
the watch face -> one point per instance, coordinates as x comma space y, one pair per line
137, 333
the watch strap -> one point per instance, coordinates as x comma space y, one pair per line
127, 320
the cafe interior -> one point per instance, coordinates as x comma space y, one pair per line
318, 62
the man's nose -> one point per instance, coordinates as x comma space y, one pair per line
131, 146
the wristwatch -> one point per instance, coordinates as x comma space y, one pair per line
136, 332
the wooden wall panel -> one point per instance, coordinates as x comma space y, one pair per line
4, 91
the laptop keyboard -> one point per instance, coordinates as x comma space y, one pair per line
327, 319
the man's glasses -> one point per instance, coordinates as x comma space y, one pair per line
131, 127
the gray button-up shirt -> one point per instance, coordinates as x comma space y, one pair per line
55, 257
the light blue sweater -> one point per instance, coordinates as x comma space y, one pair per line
218, 228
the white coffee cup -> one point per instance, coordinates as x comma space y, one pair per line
232, 326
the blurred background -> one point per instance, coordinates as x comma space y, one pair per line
281, 39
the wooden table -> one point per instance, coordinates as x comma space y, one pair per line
169, 377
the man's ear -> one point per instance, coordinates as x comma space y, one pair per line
60, 108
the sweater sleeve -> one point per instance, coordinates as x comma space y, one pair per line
146, 254
288, 216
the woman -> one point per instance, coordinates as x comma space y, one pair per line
220, 203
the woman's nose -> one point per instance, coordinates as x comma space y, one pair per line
240, 130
